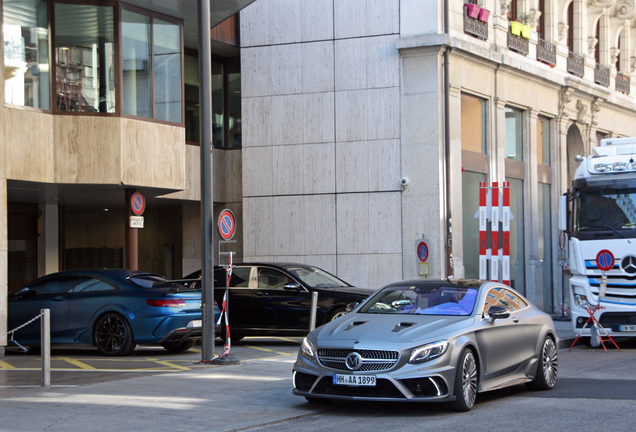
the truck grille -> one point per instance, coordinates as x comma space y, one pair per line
372, 360
620, 287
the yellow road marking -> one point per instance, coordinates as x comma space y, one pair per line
287, 339
77, 363
5, 365
265, 349
172, 365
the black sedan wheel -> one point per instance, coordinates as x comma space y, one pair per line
548, 367
178, 346
113, 336
465, 381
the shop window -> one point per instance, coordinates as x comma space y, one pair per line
26, 53
545, 209
514, 134
84, 58
517, 260
473, 123
470, 224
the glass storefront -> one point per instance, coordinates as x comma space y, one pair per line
26, 53
167, 68
136, 63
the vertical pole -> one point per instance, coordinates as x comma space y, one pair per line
312, 315
45, 344
207, 256
132, 239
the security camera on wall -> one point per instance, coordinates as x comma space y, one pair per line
404, 181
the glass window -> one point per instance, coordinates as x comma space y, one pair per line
517, 264
422, 300
240, 277
218, 137
545, 243
87, 285
191, 80
136, 64
272, 279
234, 110
543, 141
504, 298
85, 58
26, 53
473, 123
514, 134
167, 65
62, 284
470, 224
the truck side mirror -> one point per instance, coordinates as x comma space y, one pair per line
563, 213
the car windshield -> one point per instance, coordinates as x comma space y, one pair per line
156, 281
315, 277
607, 209
428, 300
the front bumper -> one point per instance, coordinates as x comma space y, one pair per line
427, 382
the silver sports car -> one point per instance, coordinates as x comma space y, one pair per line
429, 340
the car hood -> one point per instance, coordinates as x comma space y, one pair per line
363, 329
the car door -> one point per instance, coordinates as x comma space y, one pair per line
52, 293
503, 343
89, 295
240, 302
276, 307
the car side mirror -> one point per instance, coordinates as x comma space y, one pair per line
351, 306
294, 286
498, 312
24, 292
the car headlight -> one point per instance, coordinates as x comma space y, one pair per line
428, 352
581, 301
307, 349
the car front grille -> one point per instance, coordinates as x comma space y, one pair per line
372, 360
383, 389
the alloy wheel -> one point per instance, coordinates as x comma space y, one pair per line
549, 362
469, 379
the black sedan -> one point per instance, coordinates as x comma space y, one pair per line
274, 299
112, 309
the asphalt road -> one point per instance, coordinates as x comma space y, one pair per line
595, 390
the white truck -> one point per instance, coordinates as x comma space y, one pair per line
602, 217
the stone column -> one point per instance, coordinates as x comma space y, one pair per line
455, 177
48, 240
534, 269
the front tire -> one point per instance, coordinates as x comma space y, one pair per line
178, 346
548, 367
113, 336
465, 381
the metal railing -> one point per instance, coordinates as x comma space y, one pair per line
622, 83
546, 52
518, 44
576, 64
602, 75
474, 27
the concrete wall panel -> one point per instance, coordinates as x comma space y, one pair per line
317, 67
31, 159
318, 118
316, 20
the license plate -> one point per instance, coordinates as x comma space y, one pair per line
195, 323
627, 328
354, 380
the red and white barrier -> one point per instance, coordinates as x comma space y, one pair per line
494, 205
228, 342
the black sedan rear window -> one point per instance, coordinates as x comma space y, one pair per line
438, 300
153, 281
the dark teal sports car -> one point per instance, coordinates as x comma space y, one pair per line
112, 309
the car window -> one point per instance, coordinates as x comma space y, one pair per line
60, 284
87, 284
428, 300
240, 277
505, 298
314, 277
272, 279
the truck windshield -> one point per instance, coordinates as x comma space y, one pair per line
605, 210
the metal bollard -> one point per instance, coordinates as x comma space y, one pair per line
314, 307
45, 346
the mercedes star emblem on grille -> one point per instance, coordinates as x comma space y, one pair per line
628, 265
354, 361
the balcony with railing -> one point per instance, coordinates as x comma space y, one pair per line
518, 44
622, 83
602, 75
546, 52
576, 64
475, 27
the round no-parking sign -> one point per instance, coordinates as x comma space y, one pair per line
605, 260
226, 224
